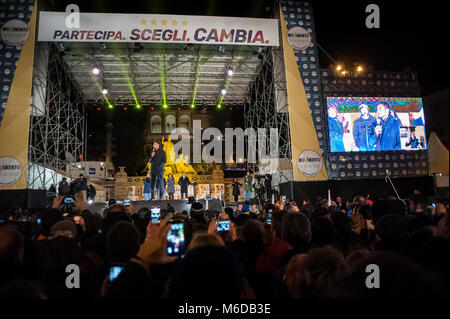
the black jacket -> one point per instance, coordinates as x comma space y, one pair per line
184, 183
158, 161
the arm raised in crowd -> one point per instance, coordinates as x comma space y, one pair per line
135, 281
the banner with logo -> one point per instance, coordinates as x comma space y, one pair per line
156, 28
17, 31
307, 160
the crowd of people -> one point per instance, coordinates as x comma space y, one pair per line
314, 250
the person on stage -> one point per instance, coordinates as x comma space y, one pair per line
170, 186
387, 128
248, 185
363, 132
184, 183
158, 160
236, 190
147, 187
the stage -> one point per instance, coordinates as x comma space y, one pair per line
347, 189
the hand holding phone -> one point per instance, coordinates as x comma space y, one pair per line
175, 238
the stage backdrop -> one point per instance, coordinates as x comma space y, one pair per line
307, 160
18, 19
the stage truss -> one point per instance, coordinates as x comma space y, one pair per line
57, 122
266, 107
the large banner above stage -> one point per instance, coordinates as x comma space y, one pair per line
156, 28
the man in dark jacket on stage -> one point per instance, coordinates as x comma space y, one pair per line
184, 183
158, 160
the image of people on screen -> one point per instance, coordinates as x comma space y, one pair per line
387, 128
363, 130
336, 128
367, 124
414, 141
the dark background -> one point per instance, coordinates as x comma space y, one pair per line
412, 35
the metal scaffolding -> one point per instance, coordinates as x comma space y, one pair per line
266, 107
57, 123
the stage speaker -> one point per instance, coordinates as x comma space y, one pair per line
25, 198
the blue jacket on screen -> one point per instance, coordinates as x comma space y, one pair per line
389, 139
364, 133
336, 129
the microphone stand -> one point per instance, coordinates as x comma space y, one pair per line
388, 178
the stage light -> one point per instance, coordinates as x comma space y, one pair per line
179, 109
192, 105
165, 106
105, 91
138, 106
95, 70
153, 108
124, 108
338, 67
230, 72
219, 106
98, 109
343, 72
110, 105
101, 163
359, 68
223, 91
90, 202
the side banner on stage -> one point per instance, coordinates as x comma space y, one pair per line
307, 161
157, 28
17, 33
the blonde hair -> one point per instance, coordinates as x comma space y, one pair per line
203, 239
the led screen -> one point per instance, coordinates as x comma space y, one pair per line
364, 124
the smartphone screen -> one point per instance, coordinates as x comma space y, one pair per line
224, 225
175, 239
269, 221
270, 213
68, 200
114, 272
350, 212
155, 214
434, 205
283, 199
38, 220
126, 202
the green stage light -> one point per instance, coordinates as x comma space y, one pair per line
219, 106
165, 106
138, 106
110, 105
192, 105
